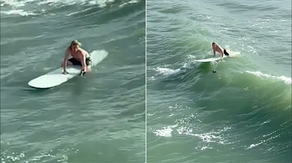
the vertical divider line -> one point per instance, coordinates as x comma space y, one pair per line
145, 81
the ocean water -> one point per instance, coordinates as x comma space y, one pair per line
241, 113
99, 118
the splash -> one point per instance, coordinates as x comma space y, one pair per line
166, 71
165, 131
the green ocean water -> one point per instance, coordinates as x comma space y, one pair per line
241, 113
99, 118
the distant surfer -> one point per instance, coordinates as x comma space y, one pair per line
75, 55
219, 49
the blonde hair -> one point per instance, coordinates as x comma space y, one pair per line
75, 42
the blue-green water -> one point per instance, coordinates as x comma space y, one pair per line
241, 113
99, 118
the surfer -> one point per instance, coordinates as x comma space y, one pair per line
219, 49
75, 55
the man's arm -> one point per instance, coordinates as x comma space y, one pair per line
65, 60
83, 62
214, 52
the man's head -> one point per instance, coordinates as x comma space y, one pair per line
75, 44
214, 44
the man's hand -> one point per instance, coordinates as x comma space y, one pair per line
82, 73
65, 72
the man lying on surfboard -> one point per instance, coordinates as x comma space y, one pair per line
75, 55
219, 49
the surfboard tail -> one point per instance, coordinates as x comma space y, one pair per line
97, 56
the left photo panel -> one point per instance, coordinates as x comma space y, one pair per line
73, 81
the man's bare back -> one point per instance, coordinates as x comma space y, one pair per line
78, 54
219, 49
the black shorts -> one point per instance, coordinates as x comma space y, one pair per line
225, 52
75, 62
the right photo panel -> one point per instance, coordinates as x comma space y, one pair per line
218, 81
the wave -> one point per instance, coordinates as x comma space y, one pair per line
285, 79
272, 92
100, 3
18, 12
33, 7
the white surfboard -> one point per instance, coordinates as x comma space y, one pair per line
232, 54
208, 59
56, 77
